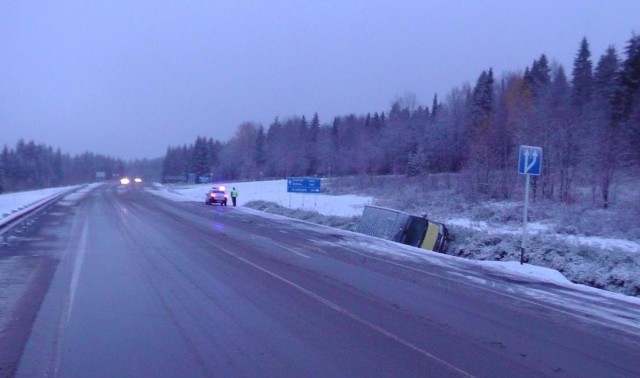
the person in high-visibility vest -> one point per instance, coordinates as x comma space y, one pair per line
234, 195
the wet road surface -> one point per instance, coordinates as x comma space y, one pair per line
126, 284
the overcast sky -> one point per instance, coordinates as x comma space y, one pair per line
129, 78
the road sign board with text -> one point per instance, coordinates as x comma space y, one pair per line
303, 185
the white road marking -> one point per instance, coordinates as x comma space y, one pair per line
77, 267
293, 251
349, 314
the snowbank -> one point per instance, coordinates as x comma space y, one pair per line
12, 202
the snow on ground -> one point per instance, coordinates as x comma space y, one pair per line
271, 191
604, 243
12, 202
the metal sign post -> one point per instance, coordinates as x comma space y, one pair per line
529, 163
524, 225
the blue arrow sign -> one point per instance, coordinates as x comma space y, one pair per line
530, 160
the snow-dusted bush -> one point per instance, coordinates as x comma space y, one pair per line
568, 230
614, 269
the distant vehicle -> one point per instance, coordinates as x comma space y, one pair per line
216, 195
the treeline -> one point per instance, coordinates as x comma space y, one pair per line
33, 166
588, 125
587, 122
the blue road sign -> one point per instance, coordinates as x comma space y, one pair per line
303, 185
530, 160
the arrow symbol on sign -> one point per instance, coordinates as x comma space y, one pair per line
534, 159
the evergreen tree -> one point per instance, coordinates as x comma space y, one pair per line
627, 99
482, 98
435, 106
335, 134
312, 145
213, 149
581, 127
629, 80
605, 79
200, 159
538, 78
334, 162
276, 147
376, 124
481, 148
3, 162
166, 164
58, 170
606, 150
560, 91
582, 82
187, 159
175, 164
261, 153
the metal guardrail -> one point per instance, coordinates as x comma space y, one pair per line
23, 218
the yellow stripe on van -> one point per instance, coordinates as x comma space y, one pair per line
431, 237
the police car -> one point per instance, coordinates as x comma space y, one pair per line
216, 195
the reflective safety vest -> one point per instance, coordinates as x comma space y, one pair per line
234, 193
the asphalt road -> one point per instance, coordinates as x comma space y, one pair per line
126, 284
